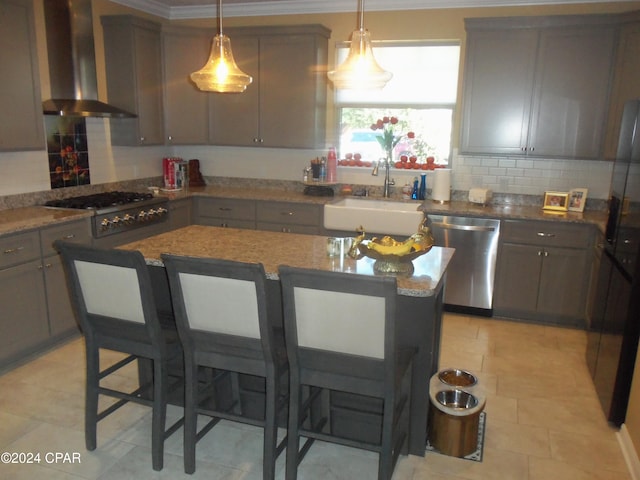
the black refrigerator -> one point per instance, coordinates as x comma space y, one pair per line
614, 327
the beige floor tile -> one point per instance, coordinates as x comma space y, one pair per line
544, 421
501, 408
513, 437
591, 452
563, 415
548, 468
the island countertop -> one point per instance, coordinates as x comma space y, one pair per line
273, 249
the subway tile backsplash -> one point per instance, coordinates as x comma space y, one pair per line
516, 176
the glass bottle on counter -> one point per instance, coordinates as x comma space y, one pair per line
332, 164
422, 192
415, 193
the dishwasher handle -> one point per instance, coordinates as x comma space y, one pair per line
469, 228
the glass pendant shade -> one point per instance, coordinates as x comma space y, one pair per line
220, 73
360, 70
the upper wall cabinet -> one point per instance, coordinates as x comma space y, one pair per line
21, 124
133, 58
186, 111
285, 106
626, 85
537, 86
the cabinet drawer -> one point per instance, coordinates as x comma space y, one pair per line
19, 248
76, 232
547, 233
289, 213
226, 208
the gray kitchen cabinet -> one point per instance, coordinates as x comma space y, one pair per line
133, 59
225, 212
21, 126
626, 81
33, 289
537, 86
543, 272
60, 312
24, 305
289, 217
179, 213
186, 111
285, 106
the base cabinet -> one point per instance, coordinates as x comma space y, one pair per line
33, 290
24, 305
225, 212
543, 272
289, 217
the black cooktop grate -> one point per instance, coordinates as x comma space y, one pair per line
99, 200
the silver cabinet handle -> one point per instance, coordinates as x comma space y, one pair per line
471, 228
16, 250
547, 235
288, 214
69, 237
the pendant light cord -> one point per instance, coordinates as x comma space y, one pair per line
361, 15
220, 17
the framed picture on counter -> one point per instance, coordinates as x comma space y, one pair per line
577, 199
558, 201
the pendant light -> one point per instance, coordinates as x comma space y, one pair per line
220, 73
360, 70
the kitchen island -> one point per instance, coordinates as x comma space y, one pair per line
420, 296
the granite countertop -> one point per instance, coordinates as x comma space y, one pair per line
15, 220
505, 212
274, 248
265, 194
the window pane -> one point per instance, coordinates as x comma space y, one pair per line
432, 128
421, 94
421, 75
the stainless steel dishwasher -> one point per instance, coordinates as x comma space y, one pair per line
471, 273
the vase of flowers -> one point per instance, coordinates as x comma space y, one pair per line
388, 140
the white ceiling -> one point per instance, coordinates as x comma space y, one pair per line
184, 9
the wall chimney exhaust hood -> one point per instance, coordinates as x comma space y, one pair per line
72, 62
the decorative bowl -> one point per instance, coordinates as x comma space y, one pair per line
391, 263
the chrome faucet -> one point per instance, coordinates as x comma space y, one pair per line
387, 181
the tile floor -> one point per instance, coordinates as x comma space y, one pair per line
543, 420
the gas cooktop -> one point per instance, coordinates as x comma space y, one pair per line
100, 200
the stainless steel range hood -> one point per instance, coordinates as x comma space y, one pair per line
72, 62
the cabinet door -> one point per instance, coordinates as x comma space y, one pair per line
180, 213
517, 279
288, 103
626, 80
185, 107
563, 284
498, 84
24, 311
571, 92
133, 58
234, 117
21, 125
61, 316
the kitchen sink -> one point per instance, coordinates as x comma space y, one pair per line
376, 216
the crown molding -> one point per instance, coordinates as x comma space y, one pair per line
290, 7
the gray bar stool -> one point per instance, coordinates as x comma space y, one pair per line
340, 334
221, 313
114, 304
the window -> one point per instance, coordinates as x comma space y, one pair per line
421, 94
